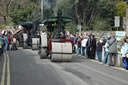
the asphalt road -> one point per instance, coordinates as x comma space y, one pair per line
1, 65
26, 68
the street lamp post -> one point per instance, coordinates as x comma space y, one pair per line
42, 9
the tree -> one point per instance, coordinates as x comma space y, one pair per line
101, 24
71, 27
8, 6
121, 11
26, 14
4, 8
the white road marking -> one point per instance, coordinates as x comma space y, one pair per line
4, 70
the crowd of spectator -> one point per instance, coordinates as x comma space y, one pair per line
84, 45
8, 42
90, 47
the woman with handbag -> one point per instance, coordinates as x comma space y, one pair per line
112, 50
124, 52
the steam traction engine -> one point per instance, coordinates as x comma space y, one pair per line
30, 35
53, 42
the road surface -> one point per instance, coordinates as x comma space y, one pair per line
24, 67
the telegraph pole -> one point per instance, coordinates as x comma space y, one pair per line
42, 4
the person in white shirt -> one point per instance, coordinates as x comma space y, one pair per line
83, 46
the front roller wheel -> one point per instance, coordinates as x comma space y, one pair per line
61, 57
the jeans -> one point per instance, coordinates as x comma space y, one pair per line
83, 51
99, 55
78, 51
5, 47
106, 58
125, 62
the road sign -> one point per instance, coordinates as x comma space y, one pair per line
117, 21
120, 35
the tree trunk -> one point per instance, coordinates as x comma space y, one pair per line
5, 19
78, 18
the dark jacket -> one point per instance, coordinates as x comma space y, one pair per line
99, 46
93, 43
88, 44
79, 43
75, 40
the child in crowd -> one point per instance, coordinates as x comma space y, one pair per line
14, 47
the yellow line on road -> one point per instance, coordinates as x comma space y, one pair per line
8, 69
3, 72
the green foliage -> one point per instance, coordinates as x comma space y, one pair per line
121, 9
24, 14
107, 8
101, 24
85, 27
2, 26
86, 12
71, 27
47, 13
9, 22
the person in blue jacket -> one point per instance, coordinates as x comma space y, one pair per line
124, 51
1, 44
5, 42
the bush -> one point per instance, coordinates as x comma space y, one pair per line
2, 26
101, 24
71, 27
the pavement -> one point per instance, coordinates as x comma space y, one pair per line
24, 67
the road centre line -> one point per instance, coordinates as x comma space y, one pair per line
8, 69
4, 70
